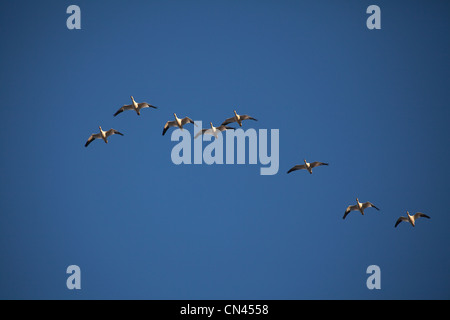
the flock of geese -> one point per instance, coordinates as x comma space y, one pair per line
359, 206
180, 122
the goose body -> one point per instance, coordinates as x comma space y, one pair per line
238, 118
178, 122
411, 219
213, 130
102, 135
359, 207
308, 166
135, 106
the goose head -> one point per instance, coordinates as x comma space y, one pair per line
175, 115
304, 160
357, 200
100, 127
212, 127
235, 113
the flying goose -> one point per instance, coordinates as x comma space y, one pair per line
177, 123
411, 219
134, 106
237, 118
308, 166
213, 130
102, 135
359, 206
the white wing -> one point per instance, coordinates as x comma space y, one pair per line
168, 125
92, 138
400, 220
368, 205
297, 167
145, 105
125, 107
110, 132
229, 120
420, 214
350, 208
187, 120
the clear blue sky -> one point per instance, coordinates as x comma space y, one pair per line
373, 104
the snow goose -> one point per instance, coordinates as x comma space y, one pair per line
237, 118
134, 106
411, 219
213, 130
308, 166
177, 123
359, 207
102, 135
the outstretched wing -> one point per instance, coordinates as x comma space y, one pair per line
92, 138
247, 117
201, 132
125, 107
187, 120
145, 105
223, 128
229, 120
421, 215
316, 164
368, 205
297, 167
350, 208
110, 132
168, 125
400, 220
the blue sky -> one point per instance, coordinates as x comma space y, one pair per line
372, 103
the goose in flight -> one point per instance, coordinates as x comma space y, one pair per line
237, 118
177, 123
102, 135
308, 166
359, 207
134, 106
213, 130
411, 219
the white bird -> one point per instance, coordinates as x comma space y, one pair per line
411, 219
102, 135
359, 207
177, 123
134, 106
308, 166
213, 130
237, 118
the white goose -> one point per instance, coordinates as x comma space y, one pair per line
134, 106
308, 166
213, 130
411, 219
237, 118
359, 207
102, 135
177, 123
